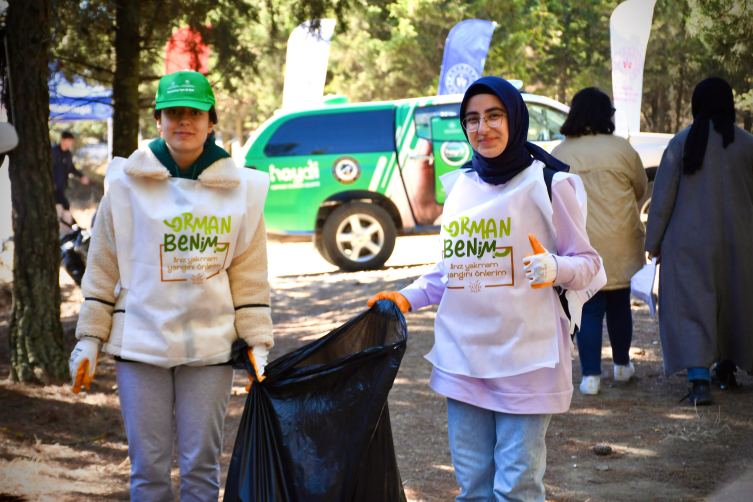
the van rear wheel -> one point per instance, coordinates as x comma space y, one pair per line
358, 236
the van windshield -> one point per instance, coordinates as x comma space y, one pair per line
334, 133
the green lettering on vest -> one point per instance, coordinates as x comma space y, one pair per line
176, 225
183, 243
471, 247
464, 225
225, 225
504, 229
486, 246
491, 229
187, 217
212, 225
459, 245
447, 248
209, 242
200, 225
477, 227
195, 242
169, 243
453, 229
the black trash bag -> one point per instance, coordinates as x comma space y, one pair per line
317, 427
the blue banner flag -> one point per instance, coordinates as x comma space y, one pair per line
465, 55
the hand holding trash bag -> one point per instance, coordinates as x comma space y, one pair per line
395, 297
316, 427
258, 357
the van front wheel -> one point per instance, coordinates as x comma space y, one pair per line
359, 236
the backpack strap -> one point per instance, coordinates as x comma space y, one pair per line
548, 178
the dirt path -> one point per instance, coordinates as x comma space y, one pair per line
663, 450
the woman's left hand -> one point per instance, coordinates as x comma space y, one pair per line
540, 267
258, 356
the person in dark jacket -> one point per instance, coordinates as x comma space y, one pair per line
63, 168
699, 226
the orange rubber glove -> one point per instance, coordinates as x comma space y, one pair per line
258, 356
541, 266
402, 302
83, 363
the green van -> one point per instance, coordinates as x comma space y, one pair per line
355, 176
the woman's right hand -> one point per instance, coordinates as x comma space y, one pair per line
83, 363
402, 302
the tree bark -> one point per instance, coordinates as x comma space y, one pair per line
36, 335
125, 87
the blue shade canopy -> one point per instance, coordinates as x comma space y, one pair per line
70, 101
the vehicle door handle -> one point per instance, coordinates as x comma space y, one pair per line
421, 157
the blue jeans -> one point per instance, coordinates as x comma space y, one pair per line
616, 305
497, 456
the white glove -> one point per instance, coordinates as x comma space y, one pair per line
541, 269
83, 363
260, 355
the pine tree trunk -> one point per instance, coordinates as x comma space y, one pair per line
36, 335
125, 87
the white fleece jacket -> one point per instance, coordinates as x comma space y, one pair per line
101, 314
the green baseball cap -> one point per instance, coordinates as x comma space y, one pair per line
184, 88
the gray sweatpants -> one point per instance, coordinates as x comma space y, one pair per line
194, 399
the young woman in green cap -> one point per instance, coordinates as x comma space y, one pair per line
177, 272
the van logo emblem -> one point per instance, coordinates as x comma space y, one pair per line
346, 170
455, 153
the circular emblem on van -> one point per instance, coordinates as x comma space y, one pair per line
460, 77
455, 153
346, 170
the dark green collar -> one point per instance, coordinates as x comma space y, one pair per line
211, 154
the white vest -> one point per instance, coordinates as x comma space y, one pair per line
175, 239
490, 322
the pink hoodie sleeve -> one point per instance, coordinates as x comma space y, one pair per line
577, 261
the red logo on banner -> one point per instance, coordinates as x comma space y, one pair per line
186, 50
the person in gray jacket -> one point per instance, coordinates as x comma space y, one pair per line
699, 226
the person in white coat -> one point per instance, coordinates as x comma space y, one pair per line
177, 271
502, 345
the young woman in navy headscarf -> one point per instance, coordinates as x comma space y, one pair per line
502, 344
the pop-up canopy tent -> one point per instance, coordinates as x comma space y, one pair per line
72, 101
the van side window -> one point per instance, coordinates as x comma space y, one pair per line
334, 133
544, 122
425, 117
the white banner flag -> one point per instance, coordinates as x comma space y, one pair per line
630, 27
306, 64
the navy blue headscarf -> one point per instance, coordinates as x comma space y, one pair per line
519, 152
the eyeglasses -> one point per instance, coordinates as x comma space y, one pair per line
493, 120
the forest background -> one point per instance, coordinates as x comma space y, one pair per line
382, 49
392, 49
